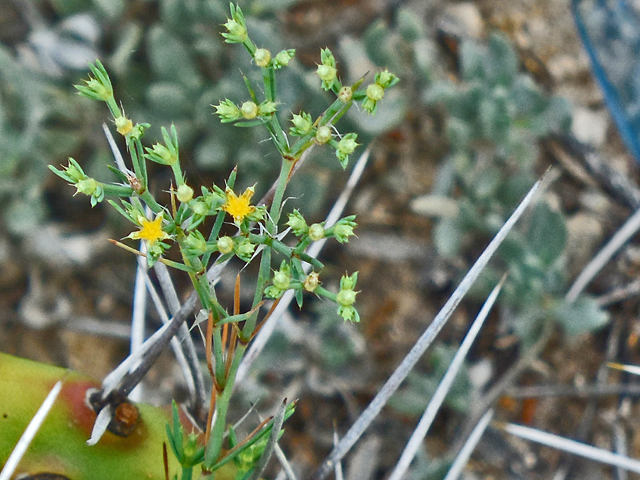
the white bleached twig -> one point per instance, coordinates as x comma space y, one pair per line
416, 352
417, 438
469, 446
571, 446
628, 230
30, 432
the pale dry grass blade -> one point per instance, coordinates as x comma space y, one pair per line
622, 236
115, 150
284, 463
338, 468
138, 314
176, 345
469, 446
116, 376
571, 446
278, 420
425, 340
30, 432
417, 438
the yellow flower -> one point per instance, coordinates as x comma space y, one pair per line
239, 206
151, 230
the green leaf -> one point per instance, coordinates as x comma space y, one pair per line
440, 91
121, 176
459, 134
471, 60
547, 233
410, 25
376, 41
486, 182
448, 237
582, 316
501, 62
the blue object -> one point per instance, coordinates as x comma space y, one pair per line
610, 32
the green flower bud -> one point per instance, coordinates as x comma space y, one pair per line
138, 131
386, 79
196, 243
302, 124
327, 73
227, 111
161, 154
375, 92
281, 279
258, 214
346, 147
185, 193
327, 69
345, 94
349, 314
156, 249
311, 282
249, 110
99, 86
273, 292
346, 298
262, 56
327, 58
199, 208
225, 245
348, 143
237, 32
72, 173
342, 232
348, 282
236, 27
266, 108
323, 134
297, 223
88, 186
316, 232
192, 446
283, 58
244, 249
96, 90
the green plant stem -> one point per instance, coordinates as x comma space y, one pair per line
214, 235
269, 79
113, 107
151, 202
263, 278
222, 405
116, 190
217, 353
276, 205
326, 293
136, 148
187, 473
279, 137
177, 173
